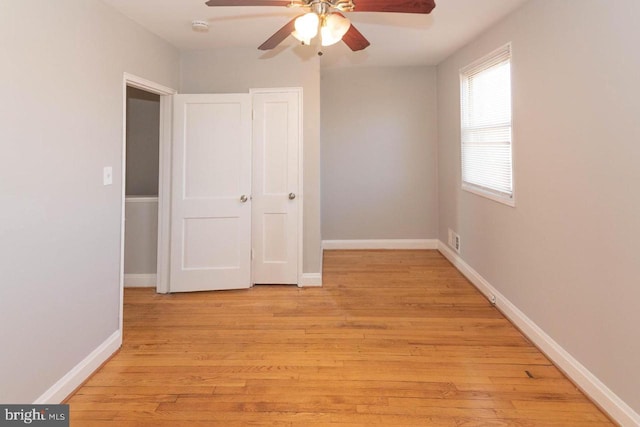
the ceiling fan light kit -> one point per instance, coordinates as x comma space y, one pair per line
334, 26
302, 40
306, 27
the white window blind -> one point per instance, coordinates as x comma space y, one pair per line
486, 125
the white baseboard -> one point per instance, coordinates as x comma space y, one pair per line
381, 244
76, 376
583, 378
140, 280
310, 279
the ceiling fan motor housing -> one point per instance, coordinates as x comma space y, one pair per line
323, 7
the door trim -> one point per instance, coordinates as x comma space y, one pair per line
164, 179
298, 91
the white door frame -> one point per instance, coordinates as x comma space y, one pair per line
164, 179
300, 194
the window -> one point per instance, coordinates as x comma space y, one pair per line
486, 126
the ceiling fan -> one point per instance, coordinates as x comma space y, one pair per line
326, 15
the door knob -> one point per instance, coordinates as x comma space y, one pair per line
292, 196
243, 198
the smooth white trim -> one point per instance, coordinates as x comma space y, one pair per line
301, 186
79, 373
310, 280
275, 90
321, 262
140, 280
165, 120
579, 374
141, 199
380, 244
147, 85
505, 200
164, 193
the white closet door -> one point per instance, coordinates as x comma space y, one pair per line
210, 197
276, 198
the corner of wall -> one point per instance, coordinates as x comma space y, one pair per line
604, 397
66, 385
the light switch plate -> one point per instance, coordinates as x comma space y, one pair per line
107, 175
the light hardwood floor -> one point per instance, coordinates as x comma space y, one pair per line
394, 338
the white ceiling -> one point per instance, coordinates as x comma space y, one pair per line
396, 38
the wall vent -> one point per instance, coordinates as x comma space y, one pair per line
454, 240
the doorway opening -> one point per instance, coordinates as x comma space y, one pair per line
141, 188
145, 104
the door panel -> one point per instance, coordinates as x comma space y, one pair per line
276, 134
200, 253
213, 168
274, 245
210, 225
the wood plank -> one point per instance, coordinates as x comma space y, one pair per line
393, 338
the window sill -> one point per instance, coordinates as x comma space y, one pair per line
505, 200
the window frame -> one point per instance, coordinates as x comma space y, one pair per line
464, 72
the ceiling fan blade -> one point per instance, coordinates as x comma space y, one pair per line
248, 2
354, 39
279, 36
399, 6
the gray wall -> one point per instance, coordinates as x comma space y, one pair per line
61, 120
238, 70
141, 235
379, 153
143, 142
567, 254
